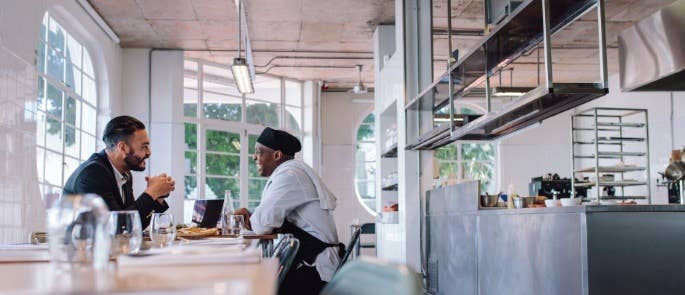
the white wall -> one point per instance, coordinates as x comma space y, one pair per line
20, 22
547, 148
165, 126
340, 120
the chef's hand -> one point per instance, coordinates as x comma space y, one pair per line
159, 187
246, 216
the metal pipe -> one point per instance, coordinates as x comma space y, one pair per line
311, 57
305, 66
604, 78
546, 32
681, 191
449, 64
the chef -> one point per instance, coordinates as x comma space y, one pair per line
296, 201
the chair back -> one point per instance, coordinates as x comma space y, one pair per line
368, 228
367, 276
350, 247
285, 253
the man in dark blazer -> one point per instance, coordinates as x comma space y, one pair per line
108, 172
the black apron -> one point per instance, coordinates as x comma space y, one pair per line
301, 278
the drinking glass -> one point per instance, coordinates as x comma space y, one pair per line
77, 231
233, 224
126, 232
163, 231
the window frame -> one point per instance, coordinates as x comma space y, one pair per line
459, 161
67, 92
242, 127
362, 201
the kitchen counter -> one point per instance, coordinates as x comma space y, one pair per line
631, 249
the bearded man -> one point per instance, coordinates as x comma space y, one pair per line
108, 172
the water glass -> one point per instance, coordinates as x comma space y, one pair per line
163, 230
125, 231
77, 230
233, 224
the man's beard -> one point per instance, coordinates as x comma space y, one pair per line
133, 162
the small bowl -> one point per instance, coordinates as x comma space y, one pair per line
489, 200
552, 203
566, 202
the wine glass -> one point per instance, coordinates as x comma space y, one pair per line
125, 231
163, 231
233, 225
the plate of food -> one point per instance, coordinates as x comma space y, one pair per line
196, 232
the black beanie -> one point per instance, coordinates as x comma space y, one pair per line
280, 140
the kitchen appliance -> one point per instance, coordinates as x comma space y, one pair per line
652, 52
549, 186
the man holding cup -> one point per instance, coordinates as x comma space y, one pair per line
108, 172
295, 201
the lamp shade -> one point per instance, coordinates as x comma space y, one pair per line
241, 75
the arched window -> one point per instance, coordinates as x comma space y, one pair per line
66, 121
365, 164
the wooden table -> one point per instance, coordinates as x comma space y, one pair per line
232, 278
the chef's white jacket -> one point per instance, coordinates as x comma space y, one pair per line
291, 194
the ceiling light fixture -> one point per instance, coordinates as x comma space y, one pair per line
510, 91
240, 70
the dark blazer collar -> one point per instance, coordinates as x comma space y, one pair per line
101, 157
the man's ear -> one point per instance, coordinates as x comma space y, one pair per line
278, 155
122, 147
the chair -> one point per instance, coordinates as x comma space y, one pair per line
350, 247
281, 241
366, 229
373, 277
285, 252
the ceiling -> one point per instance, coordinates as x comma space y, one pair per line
324, 39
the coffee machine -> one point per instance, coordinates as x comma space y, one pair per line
552, 184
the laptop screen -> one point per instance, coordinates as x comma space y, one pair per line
206, 213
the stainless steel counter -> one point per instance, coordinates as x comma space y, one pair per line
564, 250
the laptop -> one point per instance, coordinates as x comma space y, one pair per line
207, 213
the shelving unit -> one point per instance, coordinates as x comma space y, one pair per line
532, 23
622, 151
388, 163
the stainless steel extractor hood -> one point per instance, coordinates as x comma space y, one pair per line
652, 52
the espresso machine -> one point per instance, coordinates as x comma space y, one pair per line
552, 184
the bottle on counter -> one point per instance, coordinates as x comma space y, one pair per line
511, 193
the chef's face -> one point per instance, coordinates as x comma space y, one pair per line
266, 159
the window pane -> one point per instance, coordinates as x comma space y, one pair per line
366, 189
53, 140
477, 151
54, 101
222, 107
253, 172
223, 72
191, 136
88, 64
369, 119
56, 36
190, 97
89, 92
252, 140
40, 94
87, 145
263, 113
73, 51
485, 172
190, 162
220, 141
448, 170
223, 165
70, 166
72, 74
190, 184
256, 186
53, 168
293, 93
40, 57
293, 119
190, 65
266, 88
72, 141
366, 152
89, 119
72, 112
40, 163
40, 128
219, 186
448, 152
365, 133
55, 65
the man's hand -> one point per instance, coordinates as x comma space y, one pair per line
159, 186
246, 216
